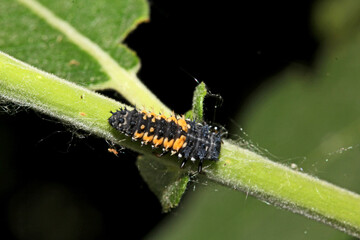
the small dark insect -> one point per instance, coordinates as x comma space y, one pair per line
184, 137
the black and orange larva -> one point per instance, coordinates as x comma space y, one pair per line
188, 139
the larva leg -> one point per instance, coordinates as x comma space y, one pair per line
183, 163
200, 166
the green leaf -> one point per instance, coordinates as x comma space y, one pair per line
166, 181
79, 41
336, 20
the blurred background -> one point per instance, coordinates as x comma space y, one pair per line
288, 74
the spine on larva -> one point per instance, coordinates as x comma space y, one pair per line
188, 139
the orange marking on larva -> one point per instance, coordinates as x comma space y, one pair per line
172, 119
138, 135
162, 116
152, 129
168, 143
157, 141
142, 127
179, 143
82, 114
147, 138
145, 114
182, 122
151, 114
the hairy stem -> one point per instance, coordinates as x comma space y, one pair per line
237, 168
286, 188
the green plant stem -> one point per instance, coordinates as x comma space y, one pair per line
237, 168
286, 188
70, 103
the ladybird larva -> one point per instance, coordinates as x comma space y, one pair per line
184, 137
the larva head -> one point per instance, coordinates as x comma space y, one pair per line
118, 119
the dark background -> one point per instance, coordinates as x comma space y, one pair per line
232, 48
